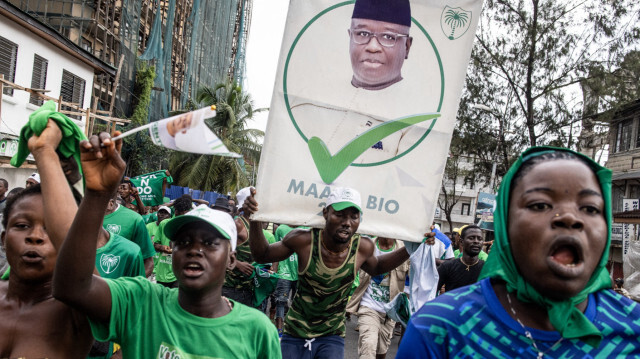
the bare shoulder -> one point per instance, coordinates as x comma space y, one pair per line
297, 239
47, 329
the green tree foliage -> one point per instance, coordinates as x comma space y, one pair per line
529, 59
614, 85
138, 150
216, 173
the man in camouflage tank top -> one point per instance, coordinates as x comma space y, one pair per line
328, 261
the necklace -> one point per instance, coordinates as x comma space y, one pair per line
228, 302
528, 333
469, 265
332, 252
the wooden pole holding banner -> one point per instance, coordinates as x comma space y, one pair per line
115, 85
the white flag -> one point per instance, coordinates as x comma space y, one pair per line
186, 132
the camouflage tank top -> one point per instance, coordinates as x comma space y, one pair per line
319, 306
234, 278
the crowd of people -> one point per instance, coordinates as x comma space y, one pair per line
91, 279
89, 271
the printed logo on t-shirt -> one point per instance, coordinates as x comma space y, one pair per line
114, 228
109, 263
168, 351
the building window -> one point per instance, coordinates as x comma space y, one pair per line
38, 78
466, 207
72, 90
623, 136
8, 59
617, 194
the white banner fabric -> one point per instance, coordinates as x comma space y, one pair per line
359, 104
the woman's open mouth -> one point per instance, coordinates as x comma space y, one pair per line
566, 258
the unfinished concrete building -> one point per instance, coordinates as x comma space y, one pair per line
192, 43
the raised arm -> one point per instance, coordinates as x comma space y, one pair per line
261, 250
73, 281
141, 208
59, 205
386, 262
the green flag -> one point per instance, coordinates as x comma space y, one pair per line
150, 187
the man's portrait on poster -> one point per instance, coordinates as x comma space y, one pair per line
383, 67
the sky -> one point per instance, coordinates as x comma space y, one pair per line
263, 48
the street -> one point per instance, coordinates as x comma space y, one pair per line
351, 342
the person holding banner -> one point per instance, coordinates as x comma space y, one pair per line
329, 260
545, 290
129, 193
150, 320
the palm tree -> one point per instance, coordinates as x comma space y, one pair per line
216, 173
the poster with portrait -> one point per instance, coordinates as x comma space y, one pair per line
484, 210
365, 97
188, 132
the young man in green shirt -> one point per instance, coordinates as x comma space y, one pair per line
149, 320
129, 224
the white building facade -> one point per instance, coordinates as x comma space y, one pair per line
34, 56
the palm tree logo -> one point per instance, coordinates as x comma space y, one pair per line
109, 263
455, 22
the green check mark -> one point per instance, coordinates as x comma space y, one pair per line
330, 167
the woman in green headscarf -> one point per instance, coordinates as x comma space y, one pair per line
544, 291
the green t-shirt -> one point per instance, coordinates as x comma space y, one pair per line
148, 322
288, 268
482, 255
163, 267
130, 225
119, 258
150, 217
152, 228
270, 237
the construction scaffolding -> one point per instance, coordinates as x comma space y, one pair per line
192, 43
73, 110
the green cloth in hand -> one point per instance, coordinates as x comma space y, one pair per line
71, 134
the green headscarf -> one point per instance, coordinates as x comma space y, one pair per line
564, 316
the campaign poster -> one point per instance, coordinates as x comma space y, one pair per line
366, 97
484, 210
